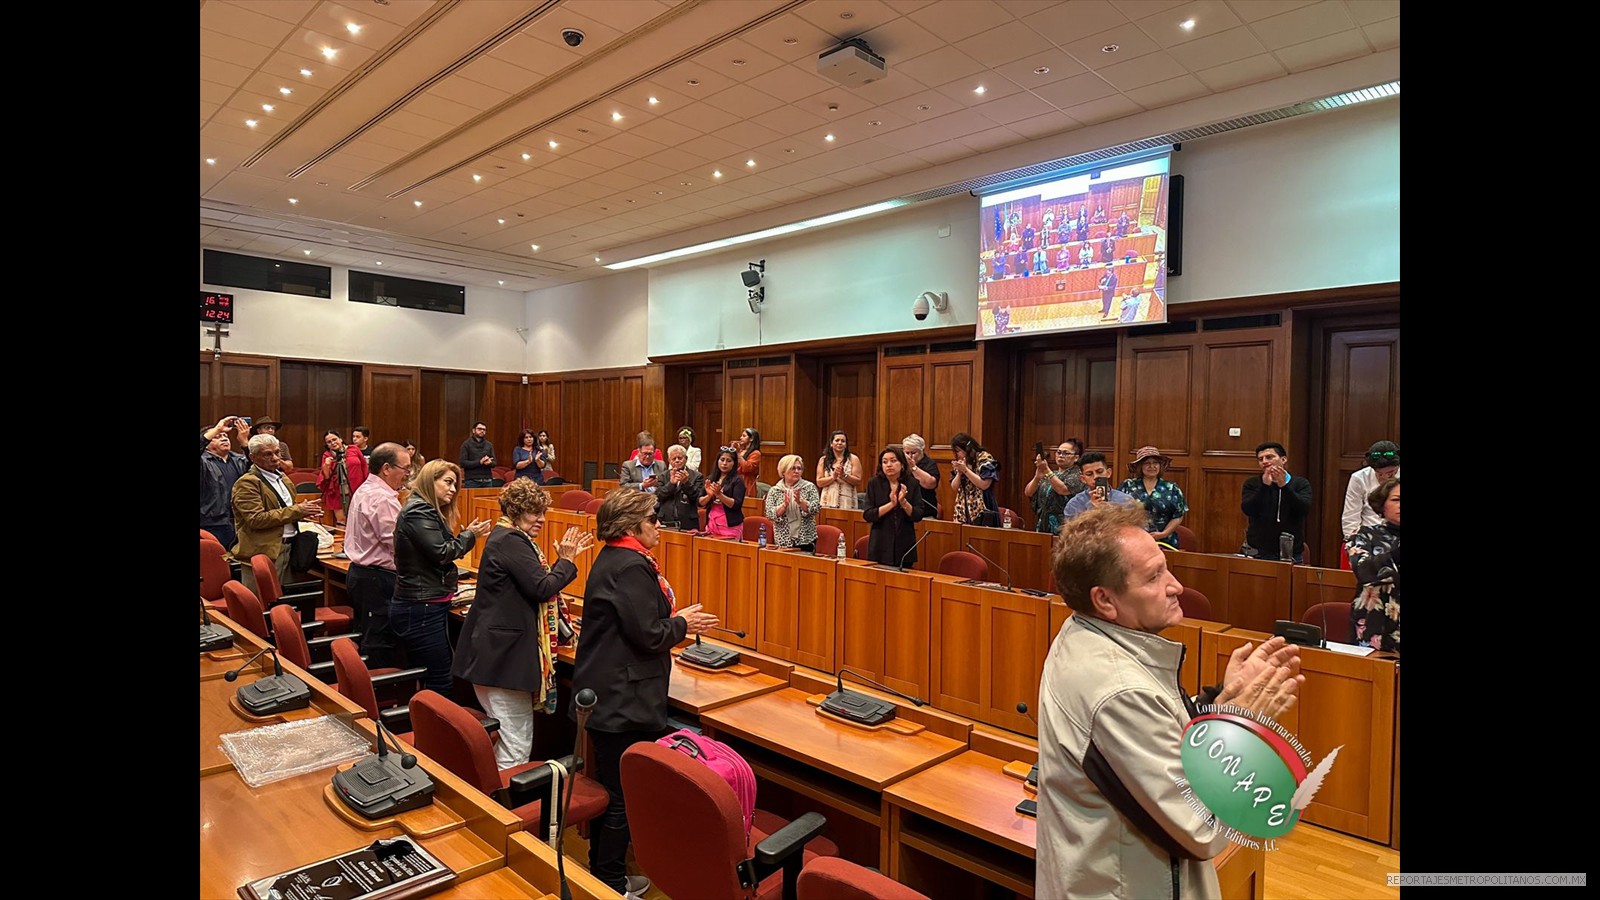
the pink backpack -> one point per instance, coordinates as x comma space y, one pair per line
725, 762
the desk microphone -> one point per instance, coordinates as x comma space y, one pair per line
585, 701
1323, 644
278, 692
997, 566
702, 654
376, 786
1033, 773
930, 504
858, 707
212, 635
913, 549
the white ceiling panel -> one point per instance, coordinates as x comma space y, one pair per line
1206, 17
901, 39
1304, 24
846, 18
1145, 70
1241, 72
954, 21
1008, 43
1068, 23
942, 66
1324, 51
1383, 35
1166, 93
1128, 39
1235, 43
1255, 10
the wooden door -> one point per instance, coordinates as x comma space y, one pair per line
1358, 372
850, 405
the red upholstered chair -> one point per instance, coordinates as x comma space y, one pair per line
214, 573
574, 500
245, 608
1188, 541
964, 564
861, 546
828, 540
593, 506
455, 738
361, 685
504, 473
291, 641
1195, 604
751, 526
336, 619
208, 536
1016, 520
1333, 618
666, 789
304, 481
837, 879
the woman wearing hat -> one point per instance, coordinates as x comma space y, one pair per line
686, 438
1162, 500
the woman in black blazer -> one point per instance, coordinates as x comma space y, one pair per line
630, 625
724, 491
894, 506
514, 619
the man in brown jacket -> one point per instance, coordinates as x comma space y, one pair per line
264, 512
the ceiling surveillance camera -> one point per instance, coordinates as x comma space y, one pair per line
572, 36
939, 301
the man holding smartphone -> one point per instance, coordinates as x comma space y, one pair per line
1096, 477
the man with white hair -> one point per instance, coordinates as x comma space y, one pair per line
264, 512
923, 469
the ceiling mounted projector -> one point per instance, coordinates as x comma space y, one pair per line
852, 64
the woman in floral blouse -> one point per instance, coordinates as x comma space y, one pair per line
1162, 500
1375, 556
792, 506
972, 474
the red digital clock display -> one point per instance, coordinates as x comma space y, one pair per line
216, 307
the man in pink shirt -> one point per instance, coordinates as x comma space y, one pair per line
369, 543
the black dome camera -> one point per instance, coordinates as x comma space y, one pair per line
572, 36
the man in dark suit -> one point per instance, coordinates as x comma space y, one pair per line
1108, 291
680, 491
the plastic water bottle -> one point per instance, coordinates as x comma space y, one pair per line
841, 546
1005, 519
761, 536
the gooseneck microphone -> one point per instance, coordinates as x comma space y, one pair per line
709, 657
278, 692
913, 549
377, 787
212, 635
585, 701
1033, 773
858, 707
992, 563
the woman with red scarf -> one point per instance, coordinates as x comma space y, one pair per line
630, 624
342, 471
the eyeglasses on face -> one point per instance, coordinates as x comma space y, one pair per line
653, 519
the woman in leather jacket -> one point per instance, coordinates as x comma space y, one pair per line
426, 547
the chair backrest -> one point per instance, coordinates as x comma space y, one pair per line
752, 525
665, 789
208, 536
574, 500
307, 487
455, 738
861, 546
828, 540
831, 878
1188, 540
289, 637
1195, 604
964, 564
266, 580
245, 608
593, 506
354, 681
303, 476
1016, 520
1333, 618
504, 473
214, 571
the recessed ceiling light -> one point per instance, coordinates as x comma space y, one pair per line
527, 156
381, 217
416, 203
788, 149
751, 163
790, 41
1187, 24
847, 15
875, 123
616, 117
693, 82
654, 101
250, 122
554, 145
597, 259
684, 183
716, 173
1042, 70
379, 263
477, 177
501, 221
266, 107
828, 138
293, 200
308, 252
534, 246
285, 91
630, 201
738, 62
502, 281
1110, 48
211, 160
329, 52
322, 184
980, 90
658, 193
353, 28
305, 73
922, 108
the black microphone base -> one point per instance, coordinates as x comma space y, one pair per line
709, 657
215, 637
274, 694
377, 787
1298, 633
858, 707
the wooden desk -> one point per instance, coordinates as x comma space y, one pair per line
939, 536
987, 651
884, 623
1025, 554
675, 554
1346, 701
962, 813
798, 607
600, 487
696, 691
1246, 593
725, 584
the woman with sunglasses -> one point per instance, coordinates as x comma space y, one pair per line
631, 622
724, 495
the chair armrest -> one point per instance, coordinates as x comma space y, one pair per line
396, 718
534, 784
310, 628
490, 723
399, 677
789, 839
323, 672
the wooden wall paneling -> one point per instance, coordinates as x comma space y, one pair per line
504, 413
1312, 585
1355, 389
995, 428
1244, 384
580, 422
210, 399
806, 404
1157, 392
725, 584
631, 413
850, 404
904, 378
237, 386
858, 641
1214, 504
1258, 593
740, 391
390, 404
1207, 574
620, 432
906, 615
432, 439
1100, 366
774, 417
654, 405
797, 607
988, 648
939, 536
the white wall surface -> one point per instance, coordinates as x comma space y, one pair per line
596, 324
285, 325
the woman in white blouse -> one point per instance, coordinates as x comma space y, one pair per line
839, 473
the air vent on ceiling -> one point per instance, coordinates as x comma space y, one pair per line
907, 350
1230, 323
1184, 326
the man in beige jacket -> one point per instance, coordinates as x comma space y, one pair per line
1113, 819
